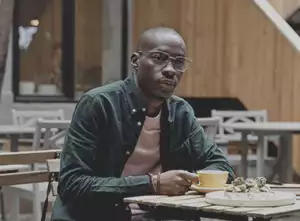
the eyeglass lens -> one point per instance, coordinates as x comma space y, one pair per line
161, 58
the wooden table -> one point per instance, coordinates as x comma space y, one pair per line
13, 132
262, 129
193, 207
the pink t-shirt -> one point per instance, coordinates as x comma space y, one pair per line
146, 155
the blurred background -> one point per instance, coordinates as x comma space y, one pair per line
245, 53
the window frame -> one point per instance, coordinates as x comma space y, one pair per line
68, 55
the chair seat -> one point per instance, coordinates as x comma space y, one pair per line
29, 141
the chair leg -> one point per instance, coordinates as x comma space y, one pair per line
15, 209
2, 205
37, 213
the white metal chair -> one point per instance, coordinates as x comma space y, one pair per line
53, 132
247, 116
210, 125
233, 116
229, 116
29, 117
25, 158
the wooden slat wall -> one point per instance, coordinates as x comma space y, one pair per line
236, 51
285, 7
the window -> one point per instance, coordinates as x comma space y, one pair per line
61, 48
88, 45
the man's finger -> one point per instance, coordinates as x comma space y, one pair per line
181, 181
181, 190
189, 176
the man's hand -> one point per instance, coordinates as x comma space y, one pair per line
176, 182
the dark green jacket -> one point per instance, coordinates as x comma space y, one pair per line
103, 133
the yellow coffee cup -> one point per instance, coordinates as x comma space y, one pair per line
212, 178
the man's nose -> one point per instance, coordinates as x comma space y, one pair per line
169, 70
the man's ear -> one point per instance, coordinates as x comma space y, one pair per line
135, 60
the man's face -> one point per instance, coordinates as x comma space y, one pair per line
161, 65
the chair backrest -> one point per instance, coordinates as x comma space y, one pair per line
210, 125
228, 116
29, 117
26, 158
52, 132
53, 166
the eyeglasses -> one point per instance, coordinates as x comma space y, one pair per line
162, 59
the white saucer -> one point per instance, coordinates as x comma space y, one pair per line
205, 189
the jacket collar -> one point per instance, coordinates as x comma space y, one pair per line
137, 103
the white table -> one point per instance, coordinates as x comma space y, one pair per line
13, 132
262, 129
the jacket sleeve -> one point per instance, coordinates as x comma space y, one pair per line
205, 153
78, 181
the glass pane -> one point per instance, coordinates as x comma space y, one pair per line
40, 37
88, 45
98, 43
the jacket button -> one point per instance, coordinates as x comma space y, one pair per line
139, 123
127, 152
116, 205
133, 110
144, 109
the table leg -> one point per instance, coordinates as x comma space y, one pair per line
244, 155
260, 153
14, 142
286, 168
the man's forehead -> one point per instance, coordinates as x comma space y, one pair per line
157, 39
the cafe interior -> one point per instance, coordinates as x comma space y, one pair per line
242, 84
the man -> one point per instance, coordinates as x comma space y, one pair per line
133, 137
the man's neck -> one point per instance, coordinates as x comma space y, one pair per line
154, 108
153, 105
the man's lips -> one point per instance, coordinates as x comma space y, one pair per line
168, 82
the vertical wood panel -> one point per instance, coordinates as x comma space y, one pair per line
236, 52
88, 36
